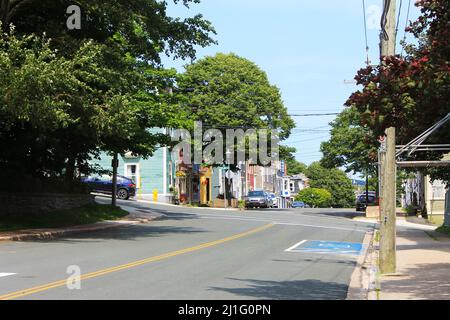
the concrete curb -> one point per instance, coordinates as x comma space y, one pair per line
181, 206
46, 234
360, 281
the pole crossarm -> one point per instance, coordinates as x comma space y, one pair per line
431, 148
417, 142
422, 164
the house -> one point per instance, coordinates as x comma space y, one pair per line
153, 175
298, 183
421, 192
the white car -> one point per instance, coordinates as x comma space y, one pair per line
273, 200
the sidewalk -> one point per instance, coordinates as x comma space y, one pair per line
423, 266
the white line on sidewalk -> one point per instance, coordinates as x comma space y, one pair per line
6, 274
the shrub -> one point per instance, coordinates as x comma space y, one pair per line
317, 198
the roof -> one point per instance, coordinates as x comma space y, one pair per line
300, 176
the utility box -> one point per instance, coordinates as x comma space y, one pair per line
373, 212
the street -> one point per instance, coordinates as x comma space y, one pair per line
191, 253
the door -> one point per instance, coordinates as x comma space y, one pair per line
132, 172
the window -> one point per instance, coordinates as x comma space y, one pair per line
171, 180
256, 194
438, 190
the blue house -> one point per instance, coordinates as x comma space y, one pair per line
155, 174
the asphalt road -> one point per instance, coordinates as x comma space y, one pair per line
189, 254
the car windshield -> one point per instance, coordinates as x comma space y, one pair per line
256, 194
363, 198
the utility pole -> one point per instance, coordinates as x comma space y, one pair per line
387, 160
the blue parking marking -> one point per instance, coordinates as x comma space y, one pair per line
315, 246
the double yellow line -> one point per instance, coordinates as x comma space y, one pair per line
60, 283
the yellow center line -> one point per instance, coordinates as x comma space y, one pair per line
60, 283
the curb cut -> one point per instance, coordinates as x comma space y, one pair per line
360, 281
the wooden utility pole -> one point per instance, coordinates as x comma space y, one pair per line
388, 206
388, 170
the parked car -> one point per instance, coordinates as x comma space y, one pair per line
298, 204
273, 201
361, 203
257, 199
126, 187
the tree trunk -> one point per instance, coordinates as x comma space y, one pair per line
9, 9
5, 10
70, 169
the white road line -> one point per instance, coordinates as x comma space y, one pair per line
277, 223
6, 274
295, 246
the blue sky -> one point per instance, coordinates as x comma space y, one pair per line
308, 49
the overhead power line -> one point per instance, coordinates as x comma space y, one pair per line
398, 17
314, 114
406, 25
384, 19
365, 33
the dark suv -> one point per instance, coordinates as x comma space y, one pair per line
126, 187
361, 204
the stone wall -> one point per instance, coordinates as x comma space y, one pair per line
39, 203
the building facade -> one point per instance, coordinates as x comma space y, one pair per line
422, 193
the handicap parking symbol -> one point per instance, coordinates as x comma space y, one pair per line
332, 247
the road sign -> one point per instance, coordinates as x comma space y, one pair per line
382, 140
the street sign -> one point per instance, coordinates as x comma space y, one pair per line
382, 141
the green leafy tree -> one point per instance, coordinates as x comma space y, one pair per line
293, 166
351, 145
315, 197
412, 92
139, 28
68, 95
333, 180
227, 91
52, 117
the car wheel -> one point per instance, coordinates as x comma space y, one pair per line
122, 194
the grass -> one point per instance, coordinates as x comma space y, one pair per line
437, 220
432, 236
377, 236
444, 230
67, 218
